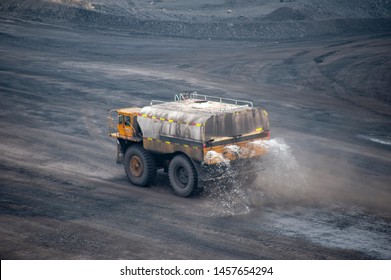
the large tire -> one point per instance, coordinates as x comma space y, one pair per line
183, 176
140, 166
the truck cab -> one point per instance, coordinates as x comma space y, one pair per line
127, 126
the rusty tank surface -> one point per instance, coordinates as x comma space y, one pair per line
191, 138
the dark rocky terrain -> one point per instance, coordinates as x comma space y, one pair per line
320, 68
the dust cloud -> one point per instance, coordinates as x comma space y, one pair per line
279, 178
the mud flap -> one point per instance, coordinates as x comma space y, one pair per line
200, 175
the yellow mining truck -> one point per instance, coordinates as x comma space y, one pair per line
191, 138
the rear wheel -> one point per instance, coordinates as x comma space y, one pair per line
183, 176
139, 166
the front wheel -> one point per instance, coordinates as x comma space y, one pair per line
183, 176
139, 166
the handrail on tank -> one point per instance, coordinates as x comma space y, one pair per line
237, 102
154, 102
179, 97
195, 95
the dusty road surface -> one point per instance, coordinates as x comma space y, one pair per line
325, 192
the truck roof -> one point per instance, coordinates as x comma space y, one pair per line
128, 110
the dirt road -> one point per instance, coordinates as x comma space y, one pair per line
325, 193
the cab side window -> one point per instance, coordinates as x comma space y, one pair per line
120, 119
127, 120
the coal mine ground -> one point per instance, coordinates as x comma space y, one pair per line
322, 72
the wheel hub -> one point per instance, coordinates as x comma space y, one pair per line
136, 166
183, 176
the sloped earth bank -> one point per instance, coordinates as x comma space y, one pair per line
221, 20
325, 191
